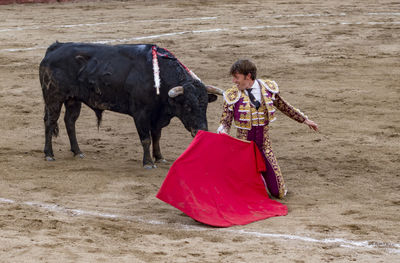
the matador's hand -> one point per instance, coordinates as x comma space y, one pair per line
311, 124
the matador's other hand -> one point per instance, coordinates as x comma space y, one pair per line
311, 124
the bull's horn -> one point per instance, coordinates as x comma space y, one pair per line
214, 90
178, 90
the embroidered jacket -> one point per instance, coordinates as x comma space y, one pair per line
237, 107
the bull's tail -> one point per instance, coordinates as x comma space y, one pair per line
56, 130
47, 84
99, 115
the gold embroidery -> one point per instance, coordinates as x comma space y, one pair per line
270, 85
226, 118
289, 110
249, 116
232, 95
269, 154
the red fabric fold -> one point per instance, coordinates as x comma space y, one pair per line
217, 181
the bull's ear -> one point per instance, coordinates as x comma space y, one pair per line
212, 98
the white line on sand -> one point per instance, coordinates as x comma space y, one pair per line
182, 19
384, 14
389, 247
111, 41
212, 30
106, 23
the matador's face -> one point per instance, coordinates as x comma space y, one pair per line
242, 81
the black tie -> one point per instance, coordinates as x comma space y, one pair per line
253, 100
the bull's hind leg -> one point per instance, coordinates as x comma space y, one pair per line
155, 136
51, 115
72, 111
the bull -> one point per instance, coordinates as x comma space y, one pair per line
121, 78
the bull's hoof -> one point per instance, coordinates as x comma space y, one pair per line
50, 158
80, 155
149, 166
161, 161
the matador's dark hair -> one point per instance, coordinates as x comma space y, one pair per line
244, 66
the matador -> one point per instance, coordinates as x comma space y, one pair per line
251, 105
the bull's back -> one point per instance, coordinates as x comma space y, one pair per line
102, 76
71, 55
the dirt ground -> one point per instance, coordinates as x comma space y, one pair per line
336, 61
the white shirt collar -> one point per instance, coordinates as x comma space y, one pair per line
255, 90
255, 86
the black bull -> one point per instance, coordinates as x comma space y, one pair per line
120, 78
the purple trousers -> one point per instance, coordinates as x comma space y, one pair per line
256, 134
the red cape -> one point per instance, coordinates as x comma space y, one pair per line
217, 181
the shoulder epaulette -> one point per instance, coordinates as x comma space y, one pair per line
232, 95
271, 85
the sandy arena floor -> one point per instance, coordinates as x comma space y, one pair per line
337, 61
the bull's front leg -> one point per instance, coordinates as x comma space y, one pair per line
143, 127
147, 161
155, 136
